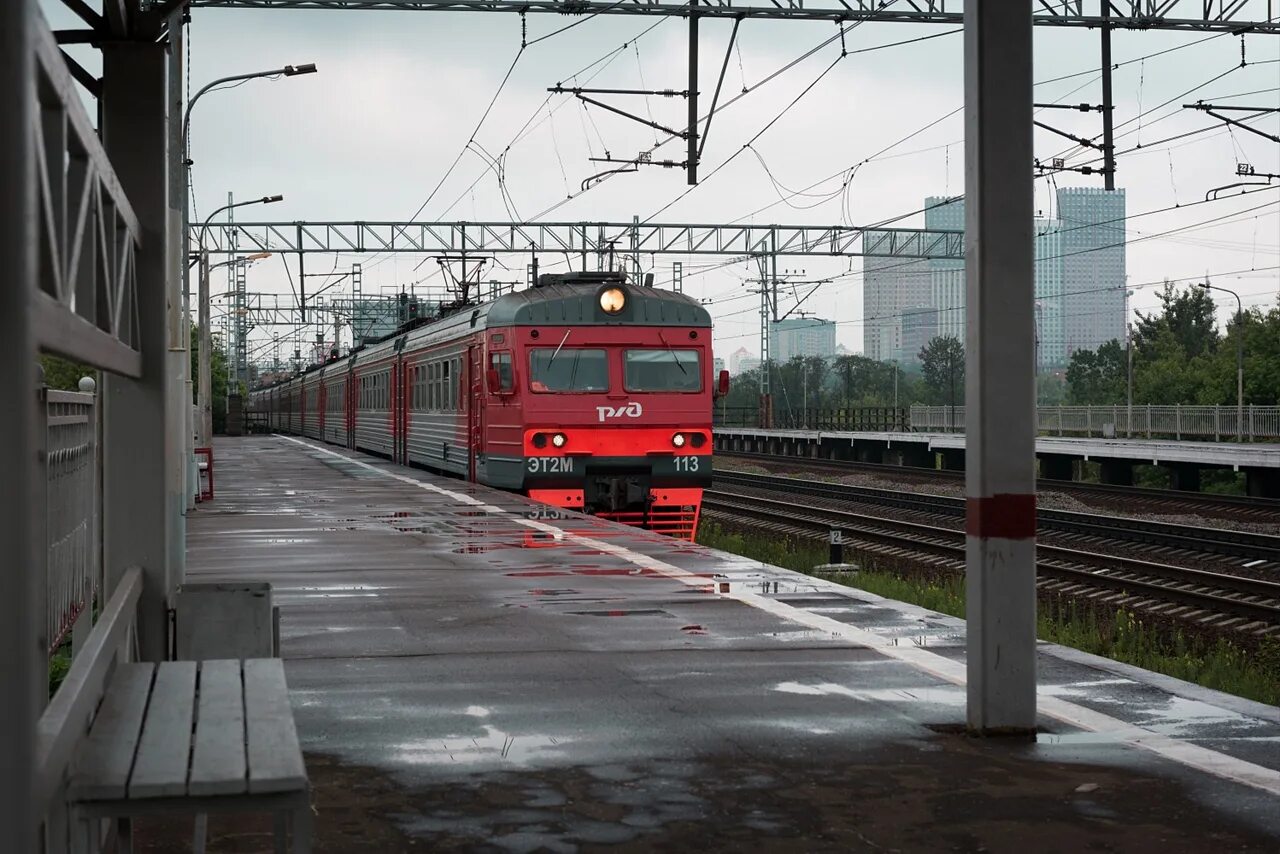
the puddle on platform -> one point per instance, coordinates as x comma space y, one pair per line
947, 695
493, 745
636, 612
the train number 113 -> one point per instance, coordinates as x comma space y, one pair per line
689, 463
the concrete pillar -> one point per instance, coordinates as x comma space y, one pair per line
918, 455
1262, 483
143, 500
1057, 467
953, 459
868, 451
1000, 368
1117, 472
1184, 477
20, 667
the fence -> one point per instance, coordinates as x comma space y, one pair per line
1260, 423
74, 567
880, 418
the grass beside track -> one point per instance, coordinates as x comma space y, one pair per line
1214, 662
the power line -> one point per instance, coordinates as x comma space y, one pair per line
961, 307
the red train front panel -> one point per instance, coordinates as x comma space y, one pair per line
613, 420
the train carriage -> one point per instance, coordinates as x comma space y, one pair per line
312, 408
584, 392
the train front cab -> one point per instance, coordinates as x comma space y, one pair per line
611, 417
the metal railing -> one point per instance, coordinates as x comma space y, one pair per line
877, 418
74, 566
1217, 423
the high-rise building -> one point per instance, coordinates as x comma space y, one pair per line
737, 359
1091, 221
946, 275
717, 365
801, 336
919, 327
889, 287
1079, 281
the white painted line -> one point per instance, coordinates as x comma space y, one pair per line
1167, 747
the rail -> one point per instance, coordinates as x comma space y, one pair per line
1217, 423
1260, 423
74, 564
880, 418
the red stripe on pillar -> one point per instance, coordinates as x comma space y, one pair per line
1006, 517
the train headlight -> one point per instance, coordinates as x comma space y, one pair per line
559, 440
678, 440
539, 440
613, 300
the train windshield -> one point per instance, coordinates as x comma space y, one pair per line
662, 370
568, 369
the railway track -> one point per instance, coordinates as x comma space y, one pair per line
1211, 599
1132, 499
1260, 553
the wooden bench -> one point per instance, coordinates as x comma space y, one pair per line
194, 737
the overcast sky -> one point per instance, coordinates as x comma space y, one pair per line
399, 93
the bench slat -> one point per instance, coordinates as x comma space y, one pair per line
275, 757
164, 751
102, 763
218, 759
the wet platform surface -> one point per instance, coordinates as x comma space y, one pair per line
469, 672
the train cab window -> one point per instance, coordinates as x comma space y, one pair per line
501, 362
568, 369
662, 370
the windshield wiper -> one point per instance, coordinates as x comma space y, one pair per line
557, 352
663, 339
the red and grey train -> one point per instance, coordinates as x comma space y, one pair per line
584, 392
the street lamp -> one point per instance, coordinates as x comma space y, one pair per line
206, 431
244, 259
1239, 356
287, 71
204, 392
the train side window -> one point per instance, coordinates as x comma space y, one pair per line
500, 363
446, 385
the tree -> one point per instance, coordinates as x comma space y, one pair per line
942, 364
219, 375
1098, 377
64, 374
865, 382
1187, 315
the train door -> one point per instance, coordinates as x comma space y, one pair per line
322, 404
399, 411
475, 408
353, 383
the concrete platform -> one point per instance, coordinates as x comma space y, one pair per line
468, 673
1235, 455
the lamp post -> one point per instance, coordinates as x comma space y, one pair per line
1239, 356
204, 392
286, 71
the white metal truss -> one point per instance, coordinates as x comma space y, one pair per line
86, 304
1202, 15
586, 238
